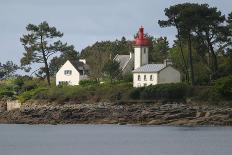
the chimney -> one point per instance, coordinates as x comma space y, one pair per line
82, 60
167, 62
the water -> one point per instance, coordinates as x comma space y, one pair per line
114, 140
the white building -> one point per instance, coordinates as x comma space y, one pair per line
145, 74
72, 72
126, 62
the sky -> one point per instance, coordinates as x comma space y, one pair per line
84, 22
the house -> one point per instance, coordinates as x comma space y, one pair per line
126, 63
72, 72
145, 74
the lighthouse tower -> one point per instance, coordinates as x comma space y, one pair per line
141, 47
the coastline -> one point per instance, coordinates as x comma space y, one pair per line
171, 114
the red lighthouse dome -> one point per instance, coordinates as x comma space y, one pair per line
141, 40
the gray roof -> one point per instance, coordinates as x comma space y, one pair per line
149, 68
80, 65
122, 59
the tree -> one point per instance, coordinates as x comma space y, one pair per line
112, 69
40, 44
173, 14
159, 50
8, 69
96, 61
201, 23
210, 31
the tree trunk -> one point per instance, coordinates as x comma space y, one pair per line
182, 55
214, 59
45, 62
191, 59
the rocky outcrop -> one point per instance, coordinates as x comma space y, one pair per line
188, 114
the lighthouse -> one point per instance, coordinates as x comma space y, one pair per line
141, 49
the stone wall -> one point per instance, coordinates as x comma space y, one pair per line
11, 105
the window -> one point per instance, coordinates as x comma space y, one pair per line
145, 78
144, 50
63, 83
151, 78
139, 78
67, 72
139, 85
144, 84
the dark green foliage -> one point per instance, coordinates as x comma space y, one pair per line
223, 86
8, 69
88, 83
161, 91
6, 93
112, 70
27, 95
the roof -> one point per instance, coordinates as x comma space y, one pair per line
141, 39
150, 68
122, 59
79, 65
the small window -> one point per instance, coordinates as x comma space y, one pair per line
67, 72
151, 78
144, 51
139, 78
144, 84
139, 85
145, 78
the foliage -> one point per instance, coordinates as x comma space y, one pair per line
112, 70
8, 69
161, 91
223, 86
88, 83
27, 95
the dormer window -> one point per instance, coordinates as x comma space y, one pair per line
67, 72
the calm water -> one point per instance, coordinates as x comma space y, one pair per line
113, 140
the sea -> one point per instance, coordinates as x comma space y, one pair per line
17, 139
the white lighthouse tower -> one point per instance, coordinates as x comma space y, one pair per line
141, 47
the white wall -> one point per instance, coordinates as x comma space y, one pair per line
169, 75
141, 56
72, 79
12, 105
137, 83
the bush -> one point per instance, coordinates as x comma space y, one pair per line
161, 91
88, 82
223, 87
6, 93
30, 94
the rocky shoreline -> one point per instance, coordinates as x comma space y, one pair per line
177, 114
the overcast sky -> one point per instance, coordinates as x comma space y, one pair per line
87, 21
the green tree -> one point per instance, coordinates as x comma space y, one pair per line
8, 69
112, 69
40, 44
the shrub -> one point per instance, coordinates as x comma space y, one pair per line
161, 91
223, 87
88, 82
6, 93
27, 95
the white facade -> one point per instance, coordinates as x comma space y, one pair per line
68, 74
144, 79
166, 75
140, 56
